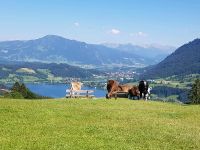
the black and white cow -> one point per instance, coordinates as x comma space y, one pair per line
148, 95
143, 88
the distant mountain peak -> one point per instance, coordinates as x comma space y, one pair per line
53, 37
56, 38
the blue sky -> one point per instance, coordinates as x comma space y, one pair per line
166, 22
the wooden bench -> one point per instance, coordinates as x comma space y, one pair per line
79, 93
120, 95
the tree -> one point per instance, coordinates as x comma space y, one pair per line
16, 87
194, 95
21, 91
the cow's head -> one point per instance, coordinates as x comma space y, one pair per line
112, 86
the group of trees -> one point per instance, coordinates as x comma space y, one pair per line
194, 95
20, 91
165, 91
186, 96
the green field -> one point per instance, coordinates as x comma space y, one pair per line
98, 124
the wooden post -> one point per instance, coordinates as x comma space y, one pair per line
87, 94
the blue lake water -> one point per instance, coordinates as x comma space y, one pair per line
58, 90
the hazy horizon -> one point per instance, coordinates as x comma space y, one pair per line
158, 22
107, 44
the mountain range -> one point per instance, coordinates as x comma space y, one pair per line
185, 60
56, 49
155, 52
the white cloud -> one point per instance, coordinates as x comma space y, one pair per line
139, 34
142, 34
76, 24
4, 51
115, 31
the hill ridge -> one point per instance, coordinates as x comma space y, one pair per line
53, 48
185, 60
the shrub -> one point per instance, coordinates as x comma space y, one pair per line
194, 95
14, 95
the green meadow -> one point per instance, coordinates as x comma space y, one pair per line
80, 124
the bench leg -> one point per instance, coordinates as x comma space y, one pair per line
115, 96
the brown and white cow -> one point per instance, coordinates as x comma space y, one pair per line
114, 86
134, 92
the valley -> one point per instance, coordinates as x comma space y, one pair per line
174, 88
169, 78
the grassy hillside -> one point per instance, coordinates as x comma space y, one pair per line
98, 124
42, 72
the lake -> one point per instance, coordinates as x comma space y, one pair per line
58, 90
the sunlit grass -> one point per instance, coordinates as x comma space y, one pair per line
98, 124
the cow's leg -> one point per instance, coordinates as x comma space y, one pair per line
140, 95
110, 94
146, 95
130, 96
107, 96
149, 96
